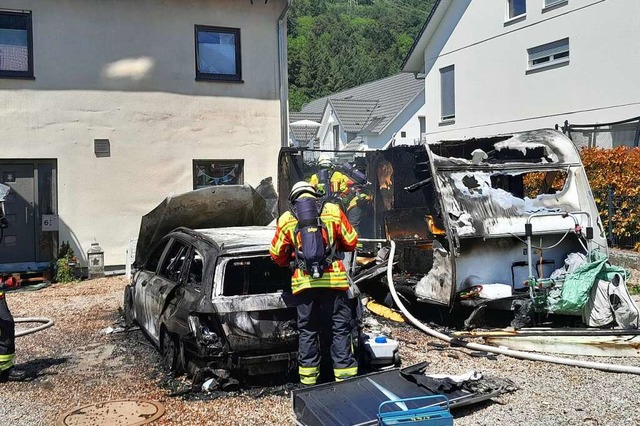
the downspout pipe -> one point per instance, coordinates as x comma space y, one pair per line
616, 368
283, 68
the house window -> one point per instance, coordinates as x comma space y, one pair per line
549, 54
336, 138
403, 134
423, 125
16, 45
447, 93
218, 54
217, 172
516, 8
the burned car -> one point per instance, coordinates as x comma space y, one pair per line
214, 298
205, 290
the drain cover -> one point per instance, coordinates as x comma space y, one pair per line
113, 413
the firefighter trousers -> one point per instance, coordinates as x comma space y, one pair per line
324, 309
7, 335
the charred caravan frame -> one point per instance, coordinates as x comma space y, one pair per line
462, 212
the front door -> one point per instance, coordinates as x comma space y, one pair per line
18, 244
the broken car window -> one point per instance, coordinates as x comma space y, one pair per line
154, 259
255, 275
173, 261
194, 277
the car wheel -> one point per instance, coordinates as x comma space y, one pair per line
171, 352
129, 317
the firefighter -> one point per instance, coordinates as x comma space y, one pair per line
322, 302
356, 206
7, 340
7, 325
330, 182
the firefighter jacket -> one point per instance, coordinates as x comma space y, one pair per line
340, 183
339, 232
359, 199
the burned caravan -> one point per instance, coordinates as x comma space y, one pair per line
462, 212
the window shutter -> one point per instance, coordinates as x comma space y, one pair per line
447, 93
549, 49
548, 3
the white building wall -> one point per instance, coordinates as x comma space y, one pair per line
407, 121
124, 70
495, 93
325, 132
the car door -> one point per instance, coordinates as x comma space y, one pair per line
162, 285
141, 281
186, 296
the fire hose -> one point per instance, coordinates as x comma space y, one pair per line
498, 350
46, 323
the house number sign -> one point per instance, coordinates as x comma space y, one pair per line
49, 222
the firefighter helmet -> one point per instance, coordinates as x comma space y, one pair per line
300, 188
324, 161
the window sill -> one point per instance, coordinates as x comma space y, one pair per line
515, 19
18, 77
219, 79
556, 64
447, 121
554, 6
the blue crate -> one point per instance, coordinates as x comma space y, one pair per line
436, 412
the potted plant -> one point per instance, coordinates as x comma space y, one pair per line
67, 264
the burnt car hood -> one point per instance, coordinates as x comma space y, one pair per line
214, 207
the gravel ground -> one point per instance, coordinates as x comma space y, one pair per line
74, 364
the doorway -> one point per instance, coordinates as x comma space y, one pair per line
30, 207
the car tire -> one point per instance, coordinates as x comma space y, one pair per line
129, 315
171, 352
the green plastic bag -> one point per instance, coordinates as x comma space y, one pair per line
577, 285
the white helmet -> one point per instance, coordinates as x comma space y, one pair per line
300, 188
324, 161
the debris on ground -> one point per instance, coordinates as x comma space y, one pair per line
72, 365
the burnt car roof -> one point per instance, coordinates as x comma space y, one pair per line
240, 238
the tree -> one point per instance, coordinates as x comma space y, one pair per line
338, 44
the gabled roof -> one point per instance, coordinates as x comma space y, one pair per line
354, 114
414, 61
352, 106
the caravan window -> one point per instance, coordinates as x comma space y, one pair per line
531, 184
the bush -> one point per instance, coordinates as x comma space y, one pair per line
65, 265
616, 168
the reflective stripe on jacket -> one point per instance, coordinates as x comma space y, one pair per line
340, 183
339, 232
358, 197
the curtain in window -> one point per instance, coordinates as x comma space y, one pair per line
216, 53
14, 49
